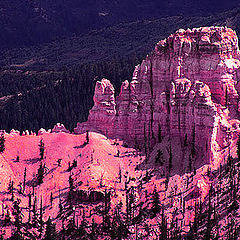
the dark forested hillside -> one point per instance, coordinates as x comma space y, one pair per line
54, 82
30, 22
135, 38
40, 99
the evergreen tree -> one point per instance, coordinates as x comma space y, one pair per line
209, 221
51, 199
33, 189
70, 227
50, 232
35, 215
156, 208
194, 227
2, 235
120, 174
130, 205
114, 229
94, 233
82, 228
60, 206
190, 234
106, 209
17, 220
24, 179
29, 207
226, 97
59, 161
176, 232
145, 141
20, 190
87, 137
190, 160
166, 182
74, 164
40, 174
193, 148
159, 133
238, 148
10, 186
163, 227
185, 140
2, 143
41, 149
7, 219
149, 137
159, 158
11, 190
118, 153
69, 167
170, 165
183, 208
41, 218
70, 191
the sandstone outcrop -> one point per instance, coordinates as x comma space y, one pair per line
188, 87
43, 131
59, 128
14, 132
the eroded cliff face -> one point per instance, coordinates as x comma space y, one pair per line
188, 87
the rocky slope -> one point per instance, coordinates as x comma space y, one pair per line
104, 165
187, 87
181, 109
97, 168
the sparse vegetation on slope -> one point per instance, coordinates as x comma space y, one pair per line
93, 201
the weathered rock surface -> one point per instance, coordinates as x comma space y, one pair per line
43, 131
59, 128
14, 132
188, 87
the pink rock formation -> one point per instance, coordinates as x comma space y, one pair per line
43, 131
14, 132
181, 87
59, 128
25, 133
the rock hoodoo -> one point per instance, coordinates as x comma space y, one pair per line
59, 127
187, 87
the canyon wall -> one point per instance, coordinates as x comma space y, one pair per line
188, 87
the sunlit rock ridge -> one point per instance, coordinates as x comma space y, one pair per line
188, 86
